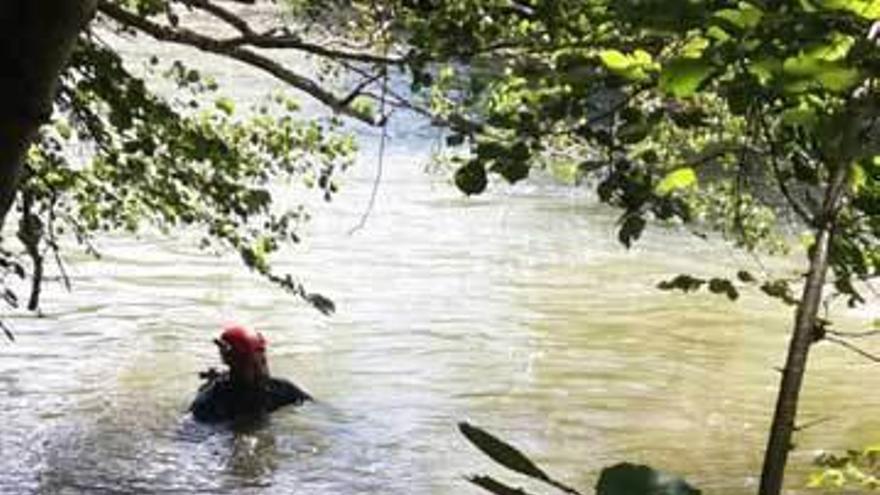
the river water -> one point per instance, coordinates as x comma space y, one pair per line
516, 310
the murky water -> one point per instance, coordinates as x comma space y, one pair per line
516, 310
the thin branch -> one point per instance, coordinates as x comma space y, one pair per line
799, 208
854, 335
815, 422
7, 331
381, 161
211, 45
223, 14
295, 43
865, 354
358, 90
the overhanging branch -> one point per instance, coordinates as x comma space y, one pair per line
211, 45
293, 42
219, 12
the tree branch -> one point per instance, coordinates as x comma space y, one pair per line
295, 43
799, 208
211, 45
219, 12
856, 349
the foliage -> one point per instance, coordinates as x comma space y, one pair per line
727, 115
619, 479
856, 469
192, 163
120, 156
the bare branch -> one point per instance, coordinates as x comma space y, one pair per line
211, 45
815, 422
865, 354
802, 211
295, 43
225, 15
854, 335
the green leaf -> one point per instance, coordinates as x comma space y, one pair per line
834, 50
501, 452
512, 170
635, 66
723, 286
614, 60
225, 105
802, 115
682, 77
494, 486
634, 479
804, 72
631, 229
470, 178
694, 47
779, 289
858, 178
677, 179
869, 9
746, 17
683, 282
766, 69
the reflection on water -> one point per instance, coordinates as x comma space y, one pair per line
516, 310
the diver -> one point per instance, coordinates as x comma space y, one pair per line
245, 391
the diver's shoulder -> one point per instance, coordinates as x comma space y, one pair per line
283, 392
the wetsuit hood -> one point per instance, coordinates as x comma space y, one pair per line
243, 341
244, 351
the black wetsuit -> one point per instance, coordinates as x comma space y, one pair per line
220, 399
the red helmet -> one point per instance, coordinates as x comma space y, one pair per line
243, 341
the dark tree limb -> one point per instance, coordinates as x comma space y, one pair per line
36, 39
193, 39
293, 42
223, 14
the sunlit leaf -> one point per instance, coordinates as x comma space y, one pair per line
677, 179
766, 69
745, 17
634, 66
682, 77
805, 72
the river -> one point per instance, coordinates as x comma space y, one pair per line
516, 310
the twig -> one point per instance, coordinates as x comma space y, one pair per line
865, 354
225, 15
295, 43
381, 161
7, 331
810, 424
796, 205
854, 335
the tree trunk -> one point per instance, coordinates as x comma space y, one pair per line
36, 38
783, 426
